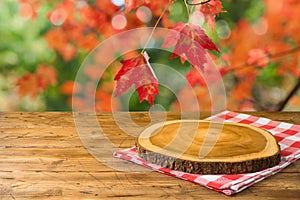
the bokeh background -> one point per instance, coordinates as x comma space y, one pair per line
43, 43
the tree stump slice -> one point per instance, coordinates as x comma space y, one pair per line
205, 147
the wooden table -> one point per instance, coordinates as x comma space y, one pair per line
43, 157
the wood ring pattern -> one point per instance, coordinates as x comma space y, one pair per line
239, 148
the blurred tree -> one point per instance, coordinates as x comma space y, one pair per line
258, 41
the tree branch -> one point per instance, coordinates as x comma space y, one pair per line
280, 106
284, 102
195, 4
271, 56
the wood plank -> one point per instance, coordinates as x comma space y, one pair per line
118, 184
66, 119
68, 159
35, 119
42, 157
60, 137
57, 160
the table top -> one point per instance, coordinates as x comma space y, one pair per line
46, 155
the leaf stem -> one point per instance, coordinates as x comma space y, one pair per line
155, 26
187, 9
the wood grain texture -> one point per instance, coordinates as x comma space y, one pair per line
43, 157
229, 148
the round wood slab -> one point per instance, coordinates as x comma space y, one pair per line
205, 147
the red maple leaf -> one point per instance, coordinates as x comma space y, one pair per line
210, 10
190, 42
132, 4
137, 71
155, 5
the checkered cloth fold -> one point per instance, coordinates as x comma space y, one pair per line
287, 135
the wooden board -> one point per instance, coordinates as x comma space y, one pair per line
204, 147
42, 157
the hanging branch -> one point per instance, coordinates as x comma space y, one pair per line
199, 3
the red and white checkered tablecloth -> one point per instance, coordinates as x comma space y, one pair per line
287, 135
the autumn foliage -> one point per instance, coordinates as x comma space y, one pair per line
137, 71
33, 84
251, 52
190, 43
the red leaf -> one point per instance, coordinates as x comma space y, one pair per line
258, 57
132, 4
29, 8
33, 84
173, 36
210, 10
137, 71
47, 75
190, 42
147, 92
207, 76
194, 77
70, 87
58, 40
224, 71
28, 85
